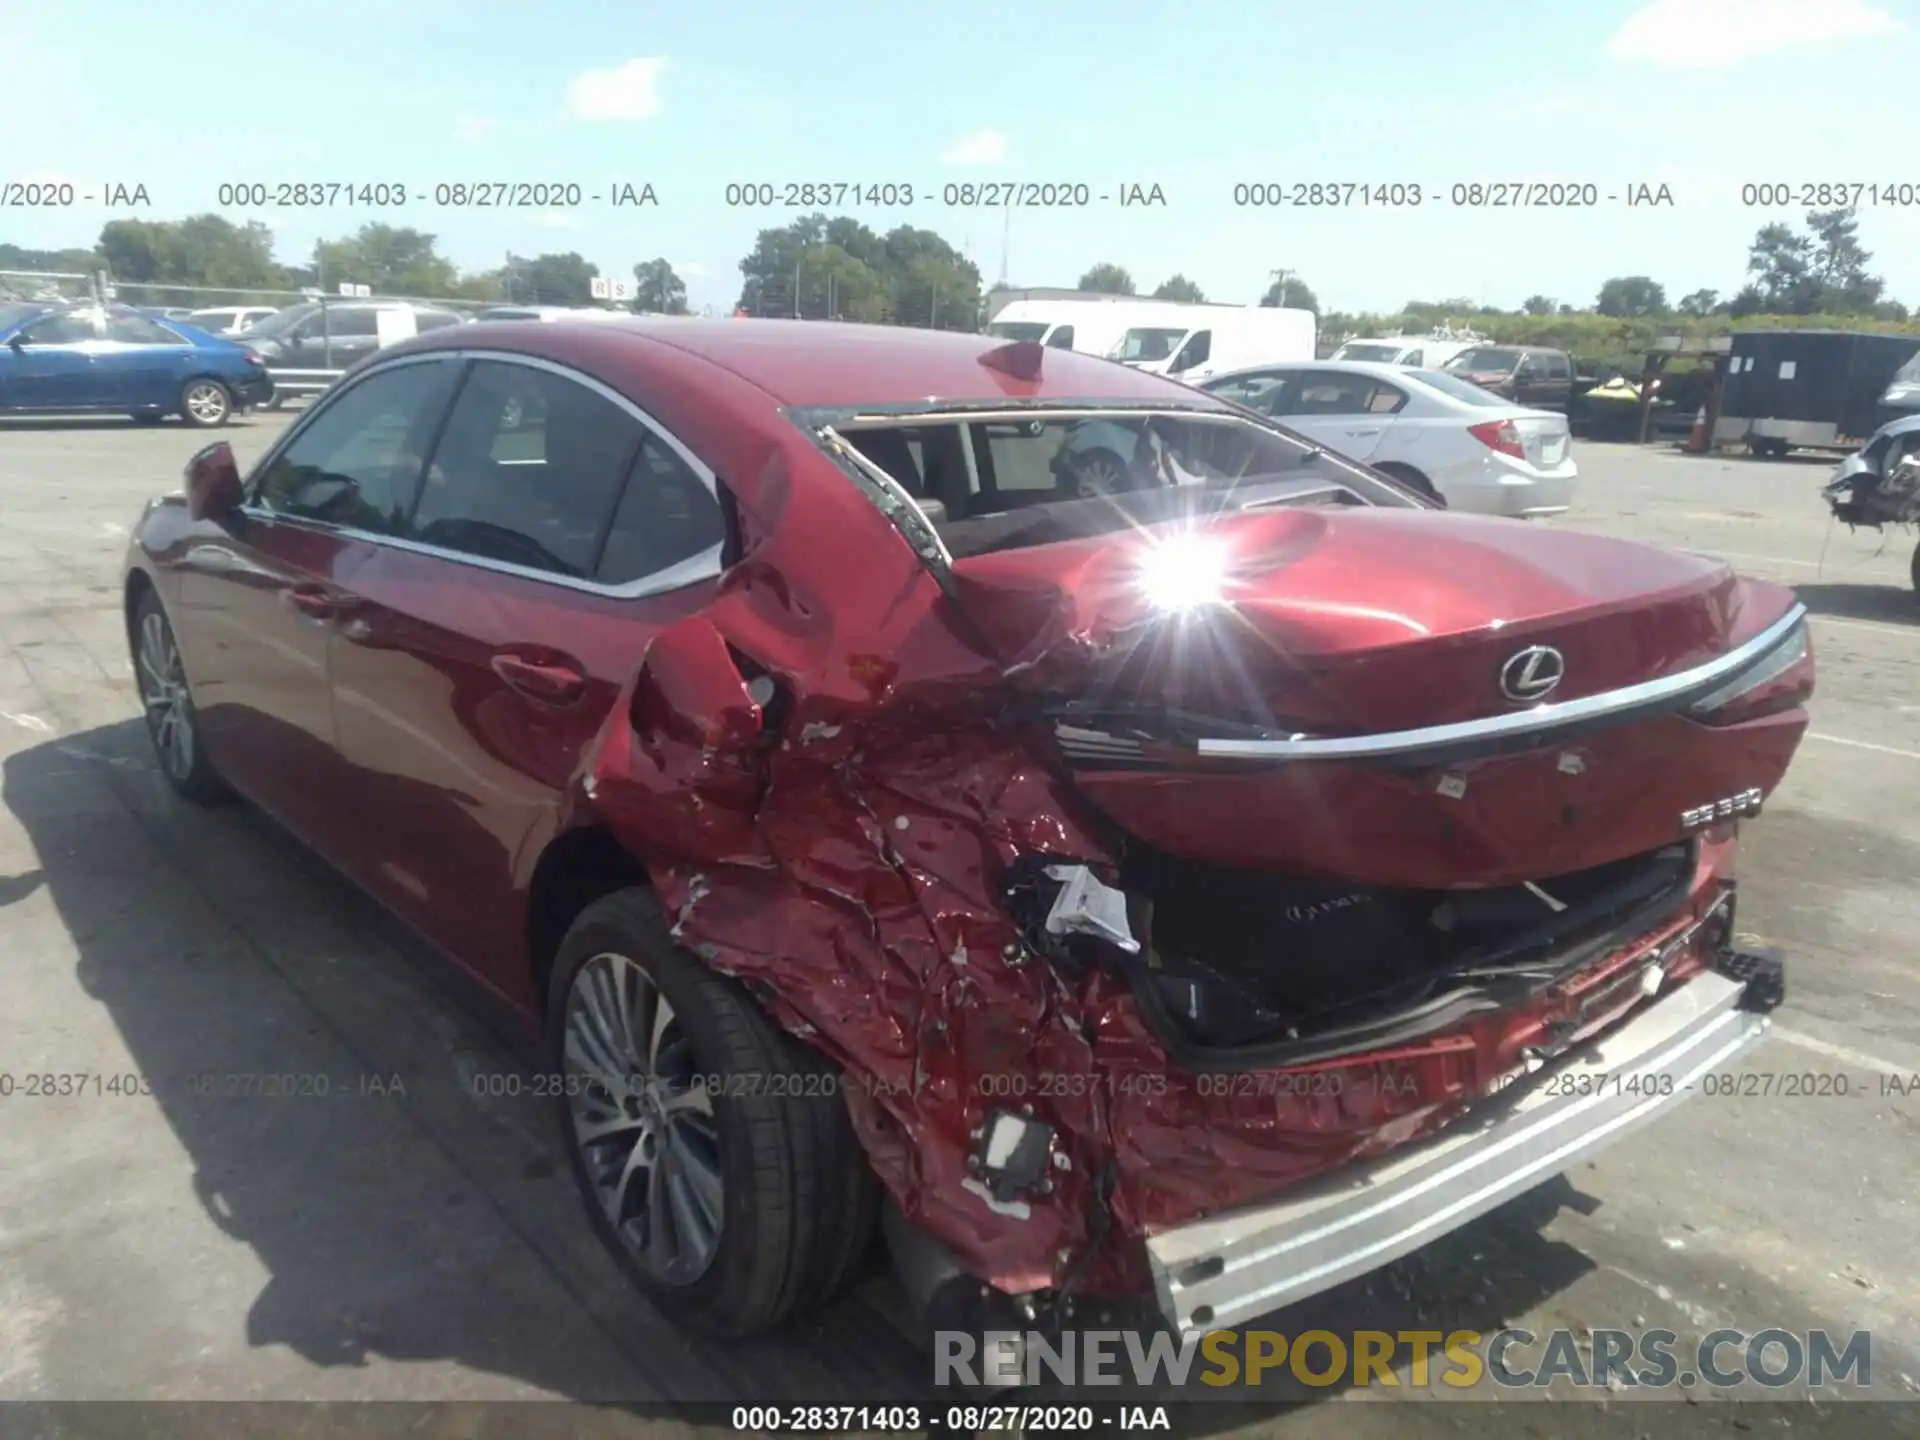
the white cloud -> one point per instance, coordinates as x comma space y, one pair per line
1700, 34
555, 220
689, 269
983, 147
626, 92
473, 128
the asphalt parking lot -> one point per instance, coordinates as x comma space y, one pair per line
406, 1239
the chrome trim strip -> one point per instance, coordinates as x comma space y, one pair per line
1520, 722
1227, 1269
695, 568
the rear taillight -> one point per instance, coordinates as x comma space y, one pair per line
1781, 680
1500, 435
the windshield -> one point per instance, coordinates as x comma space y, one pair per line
1147, 345
280, 321
1484, 359
1007, 481
1018, 329
1386, 353
1463, 390
12, 315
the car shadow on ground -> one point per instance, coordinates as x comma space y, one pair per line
119, 422
1893, 601
424, 1217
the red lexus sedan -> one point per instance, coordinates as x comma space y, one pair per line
1193, 883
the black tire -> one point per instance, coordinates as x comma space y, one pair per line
173, 724
205, 403
1916, 568
1413, 479
798, 1202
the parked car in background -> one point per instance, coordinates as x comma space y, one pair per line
333, 335
1529, 375
115, 358
773, 729
1879, 485
552, 313
228, 319
1439, 434
1417, 351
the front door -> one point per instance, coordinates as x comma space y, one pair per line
1346, 411
268, 594
475, 662
53, 364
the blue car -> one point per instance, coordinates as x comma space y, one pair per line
113, 358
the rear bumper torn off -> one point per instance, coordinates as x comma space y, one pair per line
1230, 1268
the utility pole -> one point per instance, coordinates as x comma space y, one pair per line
1281, 277
796, 283
1006, 240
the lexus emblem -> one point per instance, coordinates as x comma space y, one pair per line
1532, 673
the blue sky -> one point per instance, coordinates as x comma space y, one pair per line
1701, 95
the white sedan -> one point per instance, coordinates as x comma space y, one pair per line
1435, 432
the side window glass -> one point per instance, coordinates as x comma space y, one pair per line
528, 470
1558, 367
1193, 353
59, 330
138, 330
666, 515
1415, 358
1061, 339
357, 462
1386, 400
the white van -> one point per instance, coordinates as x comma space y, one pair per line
1421, 352
1092, 326
1192, 342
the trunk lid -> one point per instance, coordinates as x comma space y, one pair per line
1345, 620
1544, 436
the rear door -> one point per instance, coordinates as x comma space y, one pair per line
555, 530
142, 364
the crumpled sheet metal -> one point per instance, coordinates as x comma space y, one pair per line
844, 868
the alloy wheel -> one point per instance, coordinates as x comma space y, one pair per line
163, 693
205, 402
643, 1121
1099, 476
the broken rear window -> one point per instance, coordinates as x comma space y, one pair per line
996, 481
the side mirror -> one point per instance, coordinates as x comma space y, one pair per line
16, 342
213, 483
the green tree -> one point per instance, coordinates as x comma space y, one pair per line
1839, 263
390, 260
200, 250
551, 279
1697, 303
1632, 295
815, 267
1537, 305
768, 271
933, 285
1179, 288
1289, 292
657, 290
1107, 279
1782, 265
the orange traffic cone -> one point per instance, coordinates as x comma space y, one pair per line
1697, 438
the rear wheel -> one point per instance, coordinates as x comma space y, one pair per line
205, 403
1413, 480
172, 722
1916, 567
714, 1151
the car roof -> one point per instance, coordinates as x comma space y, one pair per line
1378, 369
825, 363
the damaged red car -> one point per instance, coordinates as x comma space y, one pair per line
1191, 881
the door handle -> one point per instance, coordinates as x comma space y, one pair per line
552, 681
317, 602
1362, 434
